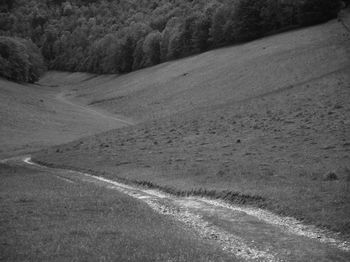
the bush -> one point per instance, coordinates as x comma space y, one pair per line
20, 60
330, 176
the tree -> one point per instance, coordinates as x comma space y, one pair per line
248, 23
167, 35
50, 36
7, 4
151, 48
175, 47
38, 18
67, 9
187, 33
126, 58
200, 38
217, 28
36, 65
139, 55
20, 60
270, 15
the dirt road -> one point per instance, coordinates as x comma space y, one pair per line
246, 233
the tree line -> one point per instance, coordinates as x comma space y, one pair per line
119, 36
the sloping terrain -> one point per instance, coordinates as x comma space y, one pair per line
226, 75
245, 233
34, 116
45, 218
265, 123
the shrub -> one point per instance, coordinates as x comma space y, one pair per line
330, 176
20, 60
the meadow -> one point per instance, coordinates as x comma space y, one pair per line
264, 123
46, 219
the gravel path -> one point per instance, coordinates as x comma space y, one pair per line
247, 233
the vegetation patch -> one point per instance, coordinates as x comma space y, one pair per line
103, 36
20, 60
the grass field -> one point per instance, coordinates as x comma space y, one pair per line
266, 124
47, 219
227, 75
262, 123
33, 117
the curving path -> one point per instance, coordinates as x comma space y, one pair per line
246, 233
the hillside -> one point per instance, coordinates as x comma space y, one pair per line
34, 116
262, 123
227, 75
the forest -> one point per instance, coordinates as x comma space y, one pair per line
119, 36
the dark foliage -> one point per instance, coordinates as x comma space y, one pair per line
20, 60
118, 36
316, 11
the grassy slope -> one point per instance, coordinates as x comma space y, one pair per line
225, 75
46, 219
31, 118
270, 118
